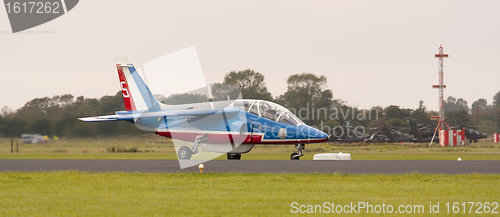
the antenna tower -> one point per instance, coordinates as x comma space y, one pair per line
441, 87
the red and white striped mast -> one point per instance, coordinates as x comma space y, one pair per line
441, 87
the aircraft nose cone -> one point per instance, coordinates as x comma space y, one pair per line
324, 135
317, 134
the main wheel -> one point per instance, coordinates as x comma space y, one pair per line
294, 156
184, 153
233, 156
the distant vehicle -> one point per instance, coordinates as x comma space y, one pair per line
423, 135
396, 136
386, 134
32, 139
347, 135
376, 138
471, 134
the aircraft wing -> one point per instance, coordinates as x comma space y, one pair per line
99, 118
160, 114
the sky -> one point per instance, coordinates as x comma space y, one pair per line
373, 53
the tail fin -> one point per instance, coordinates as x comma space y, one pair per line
136, 93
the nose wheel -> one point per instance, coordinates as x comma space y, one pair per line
298, 154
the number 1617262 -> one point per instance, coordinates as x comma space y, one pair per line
33, 7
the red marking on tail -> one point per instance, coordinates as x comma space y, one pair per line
127, 96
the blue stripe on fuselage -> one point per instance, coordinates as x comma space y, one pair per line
254, 122
270, 129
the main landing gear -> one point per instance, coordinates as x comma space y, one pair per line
296, 156
185, 152
233, 156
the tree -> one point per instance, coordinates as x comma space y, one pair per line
12, 127
420, 116
462, 104
304, 88
5, 111
457, 117
326, 99
487, 126
251, 84
222, 92
111, 104
453, 104
305, 93
397, 122
479, 105
394, 111
496, 116
42, 126
177, 99
496, 99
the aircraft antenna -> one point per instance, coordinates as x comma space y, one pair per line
441, 87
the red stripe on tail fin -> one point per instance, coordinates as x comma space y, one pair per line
127, 96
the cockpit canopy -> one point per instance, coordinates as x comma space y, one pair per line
271, 111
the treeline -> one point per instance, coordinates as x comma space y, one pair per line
59, 116
306, 96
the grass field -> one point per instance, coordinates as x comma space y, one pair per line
155, 147
230, 194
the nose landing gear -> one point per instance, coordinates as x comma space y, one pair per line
296, 156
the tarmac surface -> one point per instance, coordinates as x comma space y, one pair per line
257, 166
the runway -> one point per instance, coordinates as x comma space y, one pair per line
257, 166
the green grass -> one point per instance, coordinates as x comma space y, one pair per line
155, 147
228, 194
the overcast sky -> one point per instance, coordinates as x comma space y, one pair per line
372, 52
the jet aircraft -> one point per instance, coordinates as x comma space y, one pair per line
210, 125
